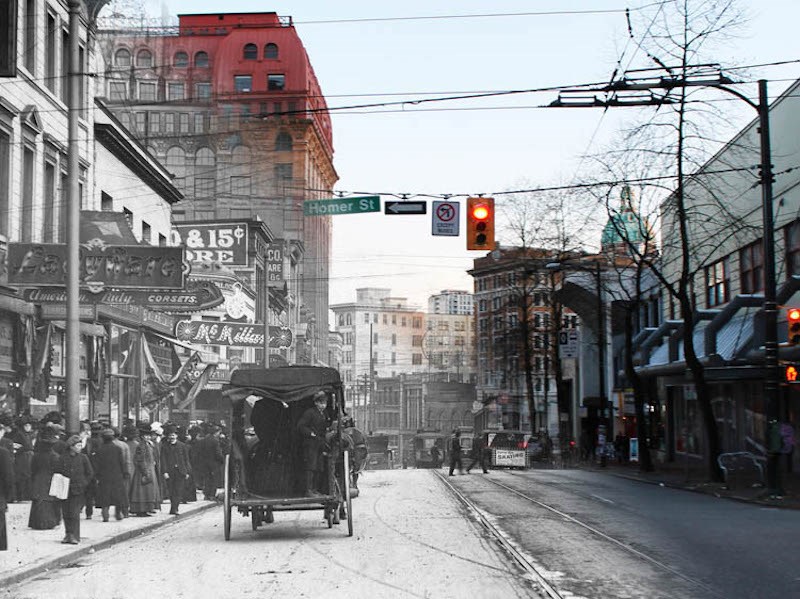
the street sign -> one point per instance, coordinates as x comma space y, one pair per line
342, 206
445, 218
568, 344
420, 207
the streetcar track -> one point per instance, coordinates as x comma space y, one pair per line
626, 547
529, 567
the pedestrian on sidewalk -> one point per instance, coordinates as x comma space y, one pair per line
189, 485
479, 454
128, 457
6, 489
76, 467
209, 459
455, 453
45, 509
23, 436
111, 469
93, 443
144, 493
176, 468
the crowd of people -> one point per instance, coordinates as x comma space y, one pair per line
133, 469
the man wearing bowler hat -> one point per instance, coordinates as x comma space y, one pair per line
312, 426
76, 467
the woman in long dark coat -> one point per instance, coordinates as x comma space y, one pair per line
144, 484
45, 509
110, 469
189, 487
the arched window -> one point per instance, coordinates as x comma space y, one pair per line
204, 157
122, 58
250, 52
271, 51
341, 320
181, 59
201, 60
176, 161
283, 142
144, 59
349, 319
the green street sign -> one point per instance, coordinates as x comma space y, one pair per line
342, 206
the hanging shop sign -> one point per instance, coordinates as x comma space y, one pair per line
225, 243
231, 334
100, 266
275, 265
198, 295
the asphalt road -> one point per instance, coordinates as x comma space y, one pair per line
412, 539
597, 535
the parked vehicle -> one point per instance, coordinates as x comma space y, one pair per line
429, 448
508, 448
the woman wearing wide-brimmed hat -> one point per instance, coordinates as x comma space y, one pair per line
45, 509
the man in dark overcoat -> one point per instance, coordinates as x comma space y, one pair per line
312, 426
209, 459
93, 443
479, 454
175, 468
6, 489
455, 453
76, 467
111, 470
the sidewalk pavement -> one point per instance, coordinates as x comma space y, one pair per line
694, 478
31, 552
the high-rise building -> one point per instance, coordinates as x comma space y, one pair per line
231, 105
451, 301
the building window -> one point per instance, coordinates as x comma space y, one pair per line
283, 172
154, 121
140, 120
394, 358
50, 53
416, 359
147, 91
30, 30
64, 67
106, 202
243, 83
162, 240
122, 58
147, 233
181, 59
366, 317
183, 120
175, 91
394, 338
271, 51
5, 178
250, 52
792, 243
144, 59
751, 267
402, 321
202, 91
717, 283
51, 217
276, 82
199, 122
26, 233
240, 185
375, 338
204, 187
416, 341
169, 122
117, 91
283, 142
201, 60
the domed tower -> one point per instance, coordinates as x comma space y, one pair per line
626, 229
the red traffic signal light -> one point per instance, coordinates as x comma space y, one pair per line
790, 374
793, 322
480, 223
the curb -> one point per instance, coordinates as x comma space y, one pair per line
71, 556
670, 485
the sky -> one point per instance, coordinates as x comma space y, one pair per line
476, 146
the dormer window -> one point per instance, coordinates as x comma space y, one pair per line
250, 52
271, 51
181, 59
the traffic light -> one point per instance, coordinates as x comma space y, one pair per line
790, 374
793, 321
480, 223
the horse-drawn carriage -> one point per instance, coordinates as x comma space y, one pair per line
264, 472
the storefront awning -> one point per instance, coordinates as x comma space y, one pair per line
87, 328
207, 356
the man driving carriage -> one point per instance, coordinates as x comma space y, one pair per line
312, 427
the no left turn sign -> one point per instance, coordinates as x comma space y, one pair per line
444, 218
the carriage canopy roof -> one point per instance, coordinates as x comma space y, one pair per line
287, 383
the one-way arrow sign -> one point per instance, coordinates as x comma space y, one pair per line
405, 207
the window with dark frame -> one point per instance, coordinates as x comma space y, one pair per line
250, 52
276, 82
181, 59
717, 283
243, 83
791, 237
201, 60
751, 267
271, 51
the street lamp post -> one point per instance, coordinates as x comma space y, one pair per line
710, 76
